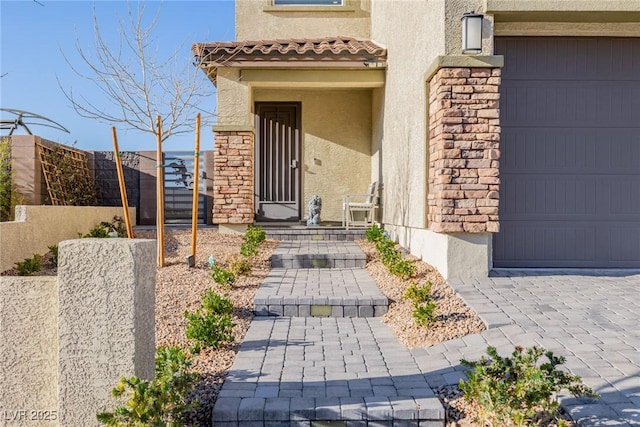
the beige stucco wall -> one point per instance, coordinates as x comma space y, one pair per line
28, 350
65, 341
234, 99
402, 149
562, 5
106, 322
336, 143
37, 227
259, 19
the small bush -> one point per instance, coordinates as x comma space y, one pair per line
519, 390
418, 294
253, 239
103, 229
374, 233
402, 268
424, 313
239, 266
392, 259
54, 254
29, 265
222, 276
161, 402
211, 325
424, 306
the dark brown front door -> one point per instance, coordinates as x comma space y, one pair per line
277, 174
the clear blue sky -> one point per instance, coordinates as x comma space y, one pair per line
33, 36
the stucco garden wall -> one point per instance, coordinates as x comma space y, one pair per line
37, 227
28, 350
336, 143
67, 340
259, 19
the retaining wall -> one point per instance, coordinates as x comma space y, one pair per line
37, 227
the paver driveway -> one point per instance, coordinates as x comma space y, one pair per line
593, 319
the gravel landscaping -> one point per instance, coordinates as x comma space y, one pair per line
180, 288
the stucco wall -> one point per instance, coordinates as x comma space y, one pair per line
403, 150
65, 341
106, 322
28, 350
258, 19
455, 255
37, 227
336, 143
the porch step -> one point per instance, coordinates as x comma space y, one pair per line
346, 292
317, 254
301, 232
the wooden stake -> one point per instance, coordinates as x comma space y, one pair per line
160, 194
194, 208
123, 188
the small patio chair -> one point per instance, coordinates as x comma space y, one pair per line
358, 210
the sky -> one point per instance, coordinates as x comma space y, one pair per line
35, 37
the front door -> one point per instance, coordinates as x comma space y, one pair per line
277, 174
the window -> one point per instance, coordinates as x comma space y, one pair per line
308, 2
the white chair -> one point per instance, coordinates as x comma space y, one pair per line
358, 210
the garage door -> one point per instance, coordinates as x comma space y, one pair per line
570, 165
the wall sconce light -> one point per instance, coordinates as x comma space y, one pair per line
472, 32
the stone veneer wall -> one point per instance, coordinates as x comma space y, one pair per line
233, 201
464, 148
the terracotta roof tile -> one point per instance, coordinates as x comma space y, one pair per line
328, 48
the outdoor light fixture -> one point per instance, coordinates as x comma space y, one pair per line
472, 32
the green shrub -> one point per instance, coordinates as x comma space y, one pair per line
161, 402
402, 268
392, 259
424, 313
29, 265
374, 233
211, 325
239, 266
418, 294
54, 254
103, 229
424, 306
222, 276
519, 390
252, 240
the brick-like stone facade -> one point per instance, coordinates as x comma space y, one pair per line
233, 201
464, 148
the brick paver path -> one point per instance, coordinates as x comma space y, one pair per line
593, 320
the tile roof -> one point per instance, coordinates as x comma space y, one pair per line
320, 49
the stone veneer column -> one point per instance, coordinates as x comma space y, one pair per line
464, 148
233, 177
106, 322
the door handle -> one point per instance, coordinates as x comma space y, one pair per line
294, 164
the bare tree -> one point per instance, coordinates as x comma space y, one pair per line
136, 82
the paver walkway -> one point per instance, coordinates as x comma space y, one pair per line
353, 371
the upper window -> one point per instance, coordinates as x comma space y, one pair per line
308, 2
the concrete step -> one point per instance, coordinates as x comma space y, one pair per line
317, 254
347, 292
331, 233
